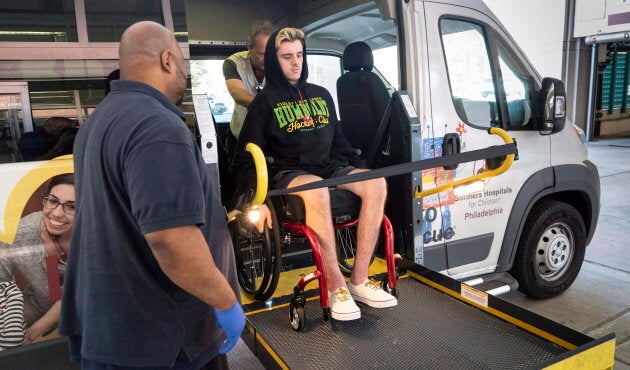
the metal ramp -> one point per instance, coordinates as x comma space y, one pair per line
431, 328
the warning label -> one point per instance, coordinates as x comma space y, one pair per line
474, 295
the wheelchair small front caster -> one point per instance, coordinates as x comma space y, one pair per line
326, 313
386, 287
297, 315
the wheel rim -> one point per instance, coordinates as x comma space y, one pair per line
254, 259
346, 239
554, 251
346, 248
295, 317
251, 260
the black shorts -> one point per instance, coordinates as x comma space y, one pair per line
283, 178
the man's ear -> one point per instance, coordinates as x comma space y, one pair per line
166, 61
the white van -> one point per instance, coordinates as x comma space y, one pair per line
536, 219
444, 55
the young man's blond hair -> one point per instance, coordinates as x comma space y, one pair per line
289, 34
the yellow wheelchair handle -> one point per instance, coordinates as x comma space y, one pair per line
509, 159
261, 173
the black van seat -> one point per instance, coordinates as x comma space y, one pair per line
362, 97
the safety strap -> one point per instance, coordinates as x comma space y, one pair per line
382, 126
400, 169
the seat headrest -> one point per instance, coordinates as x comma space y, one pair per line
357, 56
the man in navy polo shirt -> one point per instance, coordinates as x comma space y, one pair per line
151, 279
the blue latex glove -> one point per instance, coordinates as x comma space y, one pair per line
232, 321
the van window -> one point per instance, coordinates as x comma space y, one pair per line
518, 86
383, 63
475, 89
324, 70
470, 75
207, 78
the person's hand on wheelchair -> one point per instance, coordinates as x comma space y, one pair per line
257, 215
264, 216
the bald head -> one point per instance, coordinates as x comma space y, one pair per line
141, 45
149, 53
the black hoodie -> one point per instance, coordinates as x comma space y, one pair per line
296, 125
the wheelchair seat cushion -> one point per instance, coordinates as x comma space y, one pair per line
291, 207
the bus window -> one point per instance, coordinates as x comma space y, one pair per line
11, 123
106, 21
38, 21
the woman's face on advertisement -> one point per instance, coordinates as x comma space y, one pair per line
59, 222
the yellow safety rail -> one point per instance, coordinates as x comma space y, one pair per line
484, 175
261, 178
261, 173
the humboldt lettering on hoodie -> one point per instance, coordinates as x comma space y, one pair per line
303, 115
295, 123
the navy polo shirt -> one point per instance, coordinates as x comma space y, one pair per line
138, 170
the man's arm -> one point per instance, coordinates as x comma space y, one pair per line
236, 88
185, 258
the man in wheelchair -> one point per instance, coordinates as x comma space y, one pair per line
295, 123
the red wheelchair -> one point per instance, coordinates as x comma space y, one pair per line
258, 255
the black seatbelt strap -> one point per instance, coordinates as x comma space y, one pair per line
382, 126
400, 169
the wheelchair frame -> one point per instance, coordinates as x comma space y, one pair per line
270, 252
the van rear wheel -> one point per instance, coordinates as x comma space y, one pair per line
551, 250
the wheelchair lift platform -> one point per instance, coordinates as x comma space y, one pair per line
439, 323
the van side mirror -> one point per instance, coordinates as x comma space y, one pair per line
552, 106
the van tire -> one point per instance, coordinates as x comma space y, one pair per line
551, 250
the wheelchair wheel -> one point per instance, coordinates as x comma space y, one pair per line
257, 256
346, 240
297, 317
386, 287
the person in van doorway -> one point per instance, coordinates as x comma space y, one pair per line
55, 138
112, 76
244, 74
295, 123
151, 278
41, 234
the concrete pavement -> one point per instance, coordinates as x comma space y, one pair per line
599, 301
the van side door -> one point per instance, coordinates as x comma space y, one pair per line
478, 79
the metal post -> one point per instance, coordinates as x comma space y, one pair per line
590, 115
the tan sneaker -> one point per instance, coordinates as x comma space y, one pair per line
370, 293
342, 306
